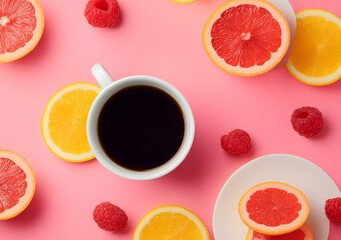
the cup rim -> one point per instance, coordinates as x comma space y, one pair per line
138, 80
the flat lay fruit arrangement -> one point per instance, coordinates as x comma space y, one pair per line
241, 41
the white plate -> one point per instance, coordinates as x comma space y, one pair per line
303, 174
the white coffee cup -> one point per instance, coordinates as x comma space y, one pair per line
110, 88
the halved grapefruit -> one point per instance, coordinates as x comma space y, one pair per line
273, 208
21, 27
302, 233
246, 37
17, 184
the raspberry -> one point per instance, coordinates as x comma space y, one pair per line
236, 142
333, 209
110, 217
102, 13
307, 121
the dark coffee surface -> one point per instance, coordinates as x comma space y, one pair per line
141, 127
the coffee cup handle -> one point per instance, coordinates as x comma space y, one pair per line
101, 75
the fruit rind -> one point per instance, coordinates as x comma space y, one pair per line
281, 229
254, 70
87, 156
33, 42
31, 184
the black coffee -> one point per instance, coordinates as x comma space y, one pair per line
141, 127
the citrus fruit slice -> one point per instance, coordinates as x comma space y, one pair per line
17, 184
246, 37
171, 222
273, 208
21, 27
302, 233
183, 1
315, 58
64, 121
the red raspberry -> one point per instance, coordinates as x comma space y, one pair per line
102, 13
307, 121
110, 217
333, 209
236, 142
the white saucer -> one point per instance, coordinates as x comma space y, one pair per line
301, 173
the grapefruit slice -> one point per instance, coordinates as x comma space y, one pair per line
17, 184
246, 37
302, 233
21, 27
273, 208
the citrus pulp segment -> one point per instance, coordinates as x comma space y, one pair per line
171, 222
315, 58
21, 27
246, 37
302, 233
64, 121
17, 184
273, 208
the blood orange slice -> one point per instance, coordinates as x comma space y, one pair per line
246, 37
17, 184
273, 208
21, 27
302, 233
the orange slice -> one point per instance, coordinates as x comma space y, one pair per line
302, 233
315, 58
183, 1
171, 222
273, 208
64, 121
246, 37
21, 27
17, 184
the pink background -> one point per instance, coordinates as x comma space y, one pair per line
163, 39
